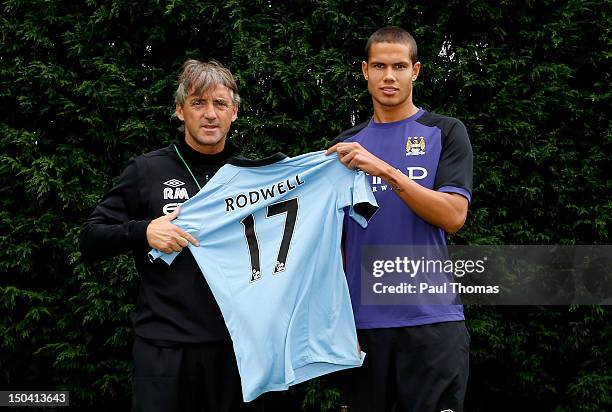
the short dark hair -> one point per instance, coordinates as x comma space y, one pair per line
393, 34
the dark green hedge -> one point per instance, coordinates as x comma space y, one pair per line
87, 84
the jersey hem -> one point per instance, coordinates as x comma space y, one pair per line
313, 369
425, 320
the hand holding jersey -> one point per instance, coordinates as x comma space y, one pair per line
445, 210
354, 156
163, 235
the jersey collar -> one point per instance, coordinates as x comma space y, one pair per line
244, 162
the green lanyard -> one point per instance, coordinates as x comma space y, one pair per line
187, 166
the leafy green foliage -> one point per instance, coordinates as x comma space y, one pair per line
86, 85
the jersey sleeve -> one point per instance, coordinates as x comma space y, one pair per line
168, 258
454, 174
363, 203
354, 192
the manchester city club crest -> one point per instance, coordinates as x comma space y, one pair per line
415, 146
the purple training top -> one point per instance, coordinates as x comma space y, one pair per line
435, 152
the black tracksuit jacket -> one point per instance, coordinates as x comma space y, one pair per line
175, 303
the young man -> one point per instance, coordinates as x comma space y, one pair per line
183, 356
417, 355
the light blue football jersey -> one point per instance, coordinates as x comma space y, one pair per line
269, 233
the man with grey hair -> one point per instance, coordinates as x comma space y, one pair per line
183, 355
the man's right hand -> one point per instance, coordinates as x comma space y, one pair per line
163, 235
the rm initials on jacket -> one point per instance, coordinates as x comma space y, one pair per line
176, 193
